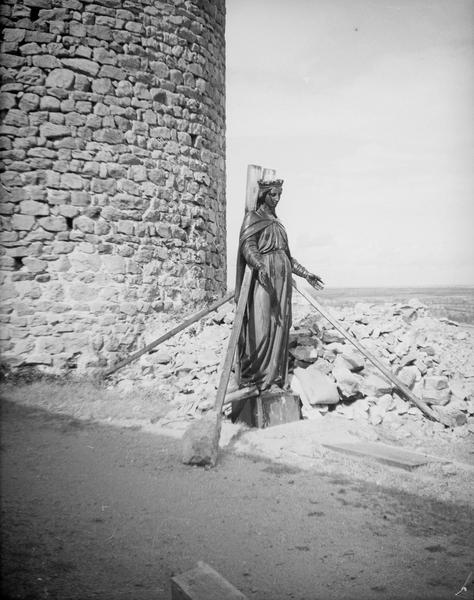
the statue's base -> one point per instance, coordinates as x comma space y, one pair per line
270, 408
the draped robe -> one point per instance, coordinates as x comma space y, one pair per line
263, 343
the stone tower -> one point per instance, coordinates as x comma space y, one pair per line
113, 172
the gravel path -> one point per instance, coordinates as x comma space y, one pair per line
90, 511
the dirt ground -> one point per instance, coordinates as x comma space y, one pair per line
96, 511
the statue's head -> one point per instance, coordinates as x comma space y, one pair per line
269, 192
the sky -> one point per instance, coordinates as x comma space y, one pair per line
365, 109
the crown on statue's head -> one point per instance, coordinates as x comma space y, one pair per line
264, 186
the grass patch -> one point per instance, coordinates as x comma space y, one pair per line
85, 399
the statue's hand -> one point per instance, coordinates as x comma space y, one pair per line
263, 277
315, 281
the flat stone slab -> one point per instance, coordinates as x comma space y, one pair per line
203, 583
390, 455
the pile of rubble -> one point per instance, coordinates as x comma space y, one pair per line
433, 357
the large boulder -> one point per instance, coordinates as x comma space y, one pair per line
317, 387
201, 441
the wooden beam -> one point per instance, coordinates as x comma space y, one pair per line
203, 583
390, 455
169, 334
254, 173
249, 391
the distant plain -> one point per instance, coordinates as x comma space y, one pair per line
455, 303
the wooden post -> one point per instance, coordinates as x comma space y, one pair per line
388, 374
232, 345
254, 173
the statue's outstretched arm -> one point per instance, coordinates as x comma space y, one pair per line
301, 271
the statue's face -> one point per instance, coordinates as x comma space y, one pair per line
273, 197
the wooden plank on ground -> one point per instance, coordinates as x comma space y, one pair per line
203, 583
390, 455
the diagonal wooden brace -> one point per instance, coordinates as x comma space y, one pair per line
169, 334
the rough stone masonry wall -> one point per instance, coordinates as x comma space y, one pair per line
113, 172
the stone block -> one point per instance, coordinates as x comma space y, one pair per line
82, 261
376, 385
45, 61
60, 78
30, 48
72, 181
54, 131
111, 72
7, 208
109, 136
332, 335
77, 29
53, 223
22, 222
348, 383
16, 118
304, 353
68, 211
354, 358
104, 56
84, 224
31, 76
80, 198
82, 65
114, 264
7, 101
11, 61
8, 236
126, 227
316, 386
31, 207
13, 35
450, 416
436, 382
435, 390
409, 375
102, 86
